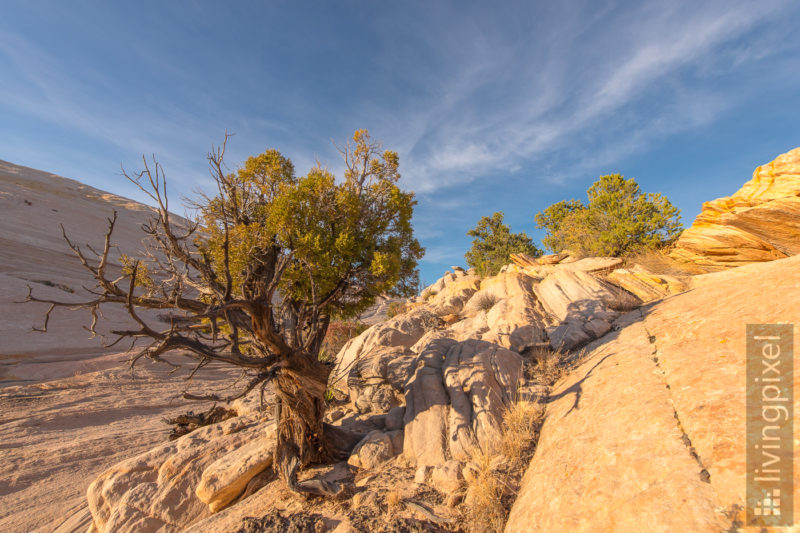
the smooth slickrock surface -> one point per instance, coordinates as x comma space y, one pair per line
33, 253
759, 222
614, 451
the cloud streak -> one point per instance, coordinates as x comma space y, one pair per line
543, 111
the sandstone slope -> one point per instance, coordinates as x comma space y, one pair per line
647, 434
33, 253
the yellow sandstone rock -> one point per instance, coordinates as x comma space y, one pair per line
760, 222
645, 284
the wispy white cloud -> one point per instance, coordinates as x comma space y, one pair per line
480, 126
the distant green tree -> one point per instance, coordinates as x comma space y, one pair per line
494, 243
618, 219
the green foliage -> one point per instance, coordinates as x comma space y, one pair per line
143, 276
494, 243
617, 220
351, 240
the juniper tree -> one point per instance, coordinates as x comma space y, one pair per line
494, 243
256, 277
618, 219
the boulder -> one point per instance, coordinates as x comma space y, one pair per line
456, 400
453, 293
402, 331
583, 306
447, 477
155, 491
516, 323
227, 477
551, 259
592, 264
372, 451
759, 222
469, 328
375, 380
523, 260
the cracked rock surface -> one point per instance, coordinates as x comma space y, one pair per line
647, 434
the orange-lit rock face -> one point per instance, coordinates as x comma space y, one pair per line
616, 448
760, 222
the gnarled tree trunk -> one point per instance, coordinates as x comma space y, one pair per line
302, 437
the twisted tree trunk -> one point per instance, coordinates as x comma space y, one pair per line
302, 437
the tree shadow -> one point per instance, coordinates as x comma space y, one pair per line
577, 387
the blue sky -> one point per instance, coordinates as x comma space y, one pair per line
497, 106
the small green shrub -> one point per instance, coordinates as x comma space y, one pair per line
494, 243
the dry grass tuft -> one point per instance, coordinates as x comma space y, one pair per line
396, 308
427, 295
521, 425
485, 510
494, 479
393, 498
485, 301
545, 365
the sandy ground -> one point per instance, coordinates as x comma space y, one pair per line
57, 436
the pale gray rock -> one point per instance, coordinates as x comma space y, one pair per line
447, 477
402, 331
517, 322
481, 380
583, 306
376, 380
456, 400
155, 491
373, 450
427, 403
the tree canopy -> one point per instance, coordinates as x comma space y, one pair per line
255, 280
494, 243
617, 219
